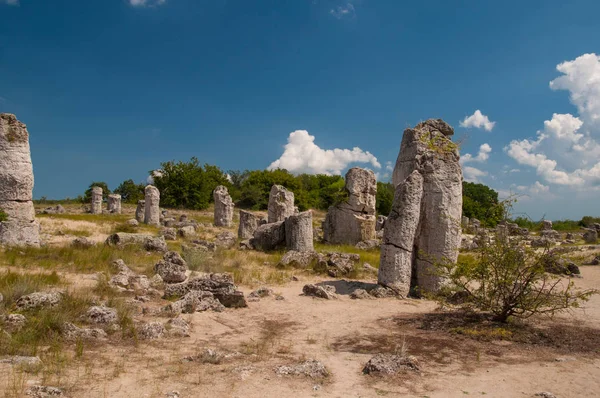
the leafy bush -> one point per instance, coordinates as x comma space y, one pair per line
509, 280
385, 197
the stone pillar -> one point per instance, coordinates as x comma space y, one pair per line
546, 225
18, 226
223, 207
354, 220
248, 224
426, 150
114, 203
140, 211
299, 232
96, 200
151, 205
281, 204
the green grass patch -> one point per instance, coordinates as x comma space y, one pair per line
94, 259
14, 285
95, 218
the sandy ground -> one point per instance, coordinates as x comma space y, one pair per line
344, 334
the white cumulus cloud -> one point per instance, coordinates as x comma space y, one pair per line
482, 156
146, 3
473, 174
302, 155
10, 2
344, 11
478, 120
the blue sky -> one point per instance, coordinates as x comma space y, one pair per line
111, 88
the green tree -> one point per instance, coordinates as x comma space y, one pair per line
87, 196
188, 184
385, 197
130, 191
481, 202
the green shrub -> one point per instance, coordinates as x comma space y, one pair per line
509, 280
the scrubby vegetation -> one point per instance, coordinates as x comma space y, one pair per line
507, 280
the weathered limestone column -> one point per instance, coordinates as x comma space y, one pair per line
114, 203
248, 224
96, 200
353, 221
18, 227
427, 150
299, 232
151, 205
223, 207
140, 211
281, 204
397, 255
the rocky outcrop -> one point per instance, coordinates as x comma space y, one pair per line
221, 286
281, 204
172, 268
424, 225
269, 236
354, 220
299, 232
223, 207
148, 242
114, 203
140, 211
18, 226
151, 205
248, 224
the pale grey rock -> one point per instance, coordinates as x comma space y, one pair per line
178, 327
220, 285
82, 242
223, 207
96, 200
298, 259
72, 332
281, 204
324, 292
148, 242
396, 264
226, 239
14, 322
16, 185
310, 368
368, 244
168, 233
590, 236
133, 222
172, 268
195, 301
299, 232
546, 225
337, 264
269, 236
360, 294
101, 315
44, 392
388, 364
429, 162
22, 360
58, 209
114, 203
152, 331
187, 231
151, 205
248, 224
353, 221
140, 211
38, 300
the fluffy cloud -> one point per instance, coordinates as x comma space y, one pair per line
345, 11
581, 77
10, 2
473, 174
565, 152
146, 3
302, 155
482, 156
478, 120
